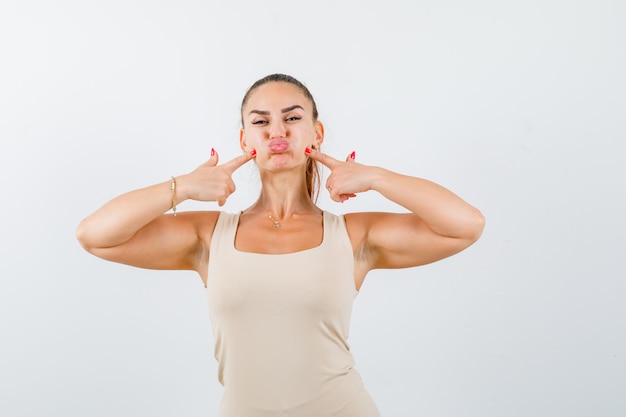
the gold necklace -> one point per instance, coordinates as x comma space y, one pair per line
276, 224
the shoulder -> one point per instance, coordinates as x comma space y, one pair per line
200, 218
203, 222
363, 227
357, 225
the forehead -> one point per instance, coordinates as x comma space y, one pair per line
276, 94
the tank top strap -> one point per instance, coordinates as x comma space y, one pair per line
224, 233
336, 236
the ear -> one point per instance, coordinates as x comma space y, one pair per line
319, 134
242, 140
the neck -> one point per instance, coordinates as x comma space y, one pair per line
282, 196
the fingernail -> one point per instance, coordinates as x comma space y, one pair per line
253, 152
212, 151
307, 150
353, 155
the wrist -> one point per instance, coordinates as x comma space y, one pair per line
182, 188
378, 178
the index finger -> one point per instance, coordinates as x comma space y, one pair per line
232, 165
324, 159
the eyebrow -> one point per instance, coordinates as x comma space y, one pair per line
285, 110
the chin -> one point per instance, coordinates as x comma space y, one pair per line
281, 161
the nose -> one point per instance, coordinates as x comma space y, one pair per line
277, 130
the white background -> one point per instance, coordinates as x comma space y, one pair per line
519, 107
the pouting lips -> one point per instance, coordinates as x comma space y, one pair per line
278, 145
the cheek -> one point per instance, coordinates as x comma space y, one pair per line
307, 137
251, 141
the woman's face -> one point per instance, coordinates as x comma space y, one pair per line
278, 123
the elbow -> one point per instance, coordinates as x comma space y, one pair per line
475, 226
84, 237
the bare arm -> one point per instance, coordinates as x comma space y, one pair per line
439, 223
133, 229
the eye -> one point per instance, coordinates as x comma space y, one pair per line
259, 122
293, 118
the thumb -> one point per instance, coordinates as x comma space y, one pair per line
213, 160
351, 157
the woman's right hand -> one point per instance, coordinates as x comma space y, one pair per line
210, 181
132, 228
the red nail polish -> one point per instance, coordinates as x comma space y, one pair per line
253, 152
212, 151
307, 150
353, 155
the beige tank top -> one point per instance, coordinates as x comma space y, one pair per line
281, 322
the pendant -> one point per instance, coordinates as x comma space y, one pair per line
276, 224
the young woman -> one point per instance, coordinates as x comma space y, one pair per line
281, 275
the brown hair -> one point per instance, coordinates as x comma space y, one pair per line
312, 168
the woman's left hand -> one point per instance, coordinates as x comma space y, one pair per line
347, 177
439, 224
